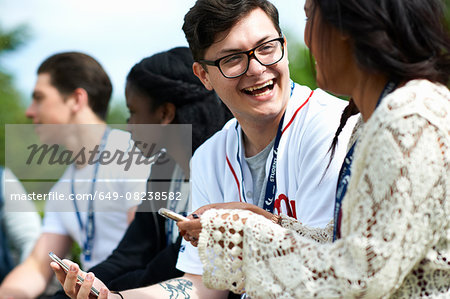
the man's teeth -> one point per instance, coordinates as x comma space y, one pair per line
253, 88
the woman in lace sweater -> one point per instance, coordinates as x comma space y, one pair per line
392, 216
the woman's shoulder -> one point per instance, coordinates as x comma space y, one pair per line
422, 98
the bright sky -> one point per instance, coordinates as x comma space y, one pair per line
117, 33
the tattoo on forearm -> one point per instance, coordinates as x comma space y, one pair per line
177, 288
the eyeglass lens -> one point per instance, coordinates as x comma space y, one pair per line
267, 53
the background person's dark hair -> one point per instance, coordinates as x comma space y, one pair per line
167, 77
71, 70
207, 18
400, 39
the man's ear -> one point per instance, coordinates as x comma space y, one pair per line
202, 74
166, 113
79, 98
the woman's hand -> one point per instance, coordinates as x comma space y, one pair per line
236, 205
191, 229
73, 289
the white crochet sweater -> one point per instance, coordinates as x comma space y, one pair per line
395, 231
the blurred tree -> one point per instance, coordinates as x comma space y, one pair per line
300, 67
447, 11
117, 112
12, 106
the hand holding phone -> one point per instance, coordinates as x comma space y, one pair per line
80, 279
171, 215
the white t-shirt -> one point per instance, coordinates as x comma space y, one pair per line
220, 173
110, 215
22, 228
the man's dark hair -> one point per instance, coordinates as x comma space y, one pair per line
207, 18
71, 70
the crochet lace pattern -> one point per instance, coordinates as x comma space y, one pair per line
395, 231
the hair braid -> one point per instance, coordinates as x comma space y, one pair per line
348, 112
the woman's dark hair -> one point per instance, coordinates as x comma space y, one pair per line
400, 39
207, 18
71, 70
167, 77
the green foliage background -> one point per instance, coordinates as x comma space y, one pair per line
12, 106
300, 67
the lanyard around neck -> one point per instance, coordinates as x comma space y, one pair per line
271, 186
89, 228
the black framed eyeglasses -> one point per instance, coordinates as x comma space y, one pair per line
236, 64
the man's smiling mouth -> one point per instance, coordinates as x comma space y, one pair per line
260, 90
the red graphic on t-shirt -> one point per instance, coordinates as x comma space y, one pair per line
290, 205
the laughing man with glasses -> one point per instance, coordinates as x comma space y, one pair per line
272, 157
